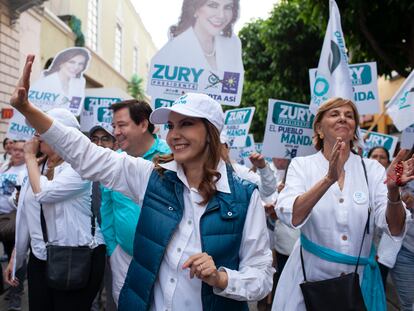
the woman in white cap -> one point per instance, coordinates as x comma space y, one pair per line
201, 241
65, 200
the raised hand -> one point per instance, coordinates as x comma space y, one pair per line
336, 161
19, 99
257, 160
31, 147
400, 172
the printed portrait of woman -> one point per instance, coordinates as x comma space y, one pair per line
62, 84
202, 55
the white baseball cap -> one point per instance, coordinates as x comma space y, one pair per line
106, 127
192, 105
64, 116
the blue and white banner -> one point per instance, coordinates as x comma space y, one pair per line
364, 81
95, 107
401, 106
203, 55
288, 132
375, 139
236, 125
18, 128
332, 78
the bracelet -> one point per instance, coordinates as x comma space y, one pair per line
394, 202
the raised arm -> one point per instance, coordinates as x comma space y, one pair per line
305, 202
115, 171
40, 121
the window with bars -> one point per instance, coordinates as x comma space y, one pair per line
118, 47
92, 31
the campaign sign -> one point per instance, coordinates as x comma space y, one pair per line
259, 149
186, 63
18, 128
62, 85
246, 151
236, 125
375, 139
95, 99
163, 128
364, 82
407, 138
288, 132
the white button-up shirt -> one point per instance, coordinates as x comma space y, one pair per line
174, 290
67, 210
337, 221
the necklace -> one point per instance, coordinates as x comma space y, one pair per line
211, 54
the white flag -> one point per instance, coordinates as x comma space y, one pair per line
332, 78
401, 106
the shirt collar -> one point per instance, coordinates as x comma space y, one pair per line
153, 149
222, 184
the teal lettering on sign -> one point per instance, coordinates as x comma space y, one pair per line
24, 129
99, 101
160, 102
379, 140
104, 115
290, 114
238, 117
43, 96
236, 132
361, 74
176, 73
296, 139
361, 96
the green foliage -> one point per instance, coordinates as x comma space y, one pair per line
277, 54
381, 30
76, 25
135, 88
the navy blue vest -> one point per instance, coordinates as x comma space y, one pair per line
221, 228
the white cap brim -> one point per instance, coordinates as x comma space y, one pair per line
161, 115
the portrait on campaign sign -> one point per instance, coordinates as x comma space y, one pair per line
62, 85
203, 55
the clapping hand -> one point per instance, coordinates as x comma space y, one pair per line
336, 161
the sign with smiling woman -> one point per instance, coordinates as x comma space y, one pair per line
203, 55
62, 85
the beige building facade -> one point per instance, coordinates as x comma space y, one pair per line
113, 31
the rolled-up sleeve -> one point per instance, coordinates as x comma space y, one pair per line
254, 278
268, 181
116, 171
294, 187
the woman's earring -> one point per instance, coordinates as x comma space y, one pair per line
321, 136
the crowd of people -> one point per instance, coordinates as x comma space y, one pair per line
178, 225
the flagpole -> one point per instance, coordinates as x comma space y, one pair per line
374, 124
